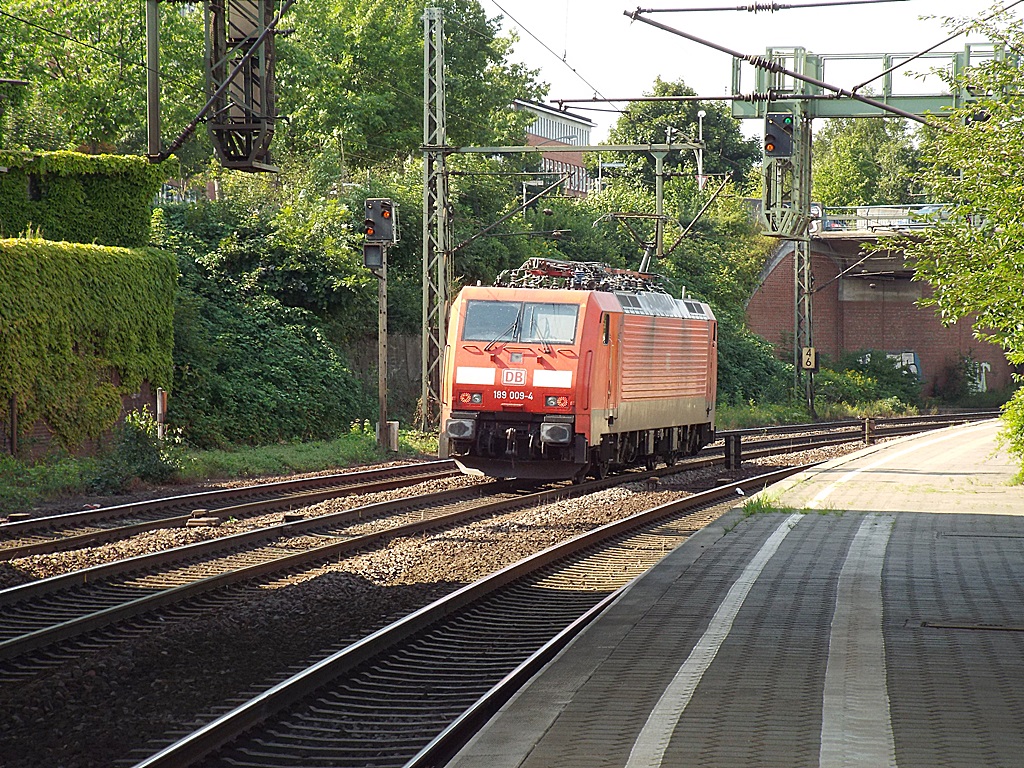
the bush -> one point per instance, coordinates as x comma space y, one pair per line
861, 377
252, 372
138, 454
748, 371
850, 387
959, 382
1013, 428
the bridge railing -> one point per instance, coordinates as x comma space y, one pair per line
874, 218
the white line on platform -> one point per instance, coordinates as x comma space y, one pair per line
649, 749
856, 725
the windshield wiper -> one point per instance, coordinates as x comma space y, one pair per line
510, 332
538, 334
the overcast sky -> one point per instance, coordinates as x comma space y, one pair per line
618, 57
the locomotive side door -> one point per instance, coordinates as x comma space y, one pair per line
611, 332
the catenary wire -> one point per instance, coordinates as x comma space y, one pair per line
548, 49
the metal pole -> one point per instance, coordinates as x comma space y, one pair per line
382, 352
659, 203
153, 77
700, 150
437, 250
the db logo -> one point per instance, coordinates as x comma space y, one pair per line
513, 377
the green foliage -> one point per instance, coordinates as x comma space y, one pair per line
358, 446
248, 369
22, 484
959, 381
866, 376
79, 198
354, 75
87, 78
80, 326
884, 408
647, 122
865, 162
1013, 429
138, 455
746, 415
748, 370
849, 387
349, 78
972, 257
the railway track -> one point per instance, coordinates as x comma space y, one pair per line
59, 609
410, 694
75, 530
55, 533
158, 647
44, 621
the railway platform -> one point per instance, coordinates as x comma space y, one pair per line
869, 614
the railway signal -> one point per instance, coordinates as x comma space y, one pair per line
380, 226
381, 223
778, 134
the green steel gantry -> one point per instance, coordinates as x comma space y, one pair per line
792, 80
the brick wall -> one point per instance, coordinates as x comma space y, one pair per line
854, 313
39, 440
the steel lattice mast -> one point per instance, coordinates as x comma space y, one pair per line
436, 221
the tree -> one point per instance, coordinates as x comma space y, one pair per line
85, 63
647, 122
864, 162
972, 257
349, 79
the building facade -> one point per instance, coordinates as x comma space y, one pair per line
552, 127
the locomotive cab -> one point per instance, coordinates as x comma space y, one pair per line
511, 367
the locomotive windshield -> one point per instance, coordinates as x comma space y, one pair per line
523, 322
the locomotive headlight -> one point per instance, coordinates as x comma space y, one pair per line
460, 429
471, 398
560, 434
556, 401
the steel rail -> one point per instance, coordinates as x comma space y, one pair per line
44, 533
254, 713
98, 578
96, 583
111, 602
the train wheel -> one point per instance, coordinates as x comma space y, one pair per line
599, 469
650, 462
670, 459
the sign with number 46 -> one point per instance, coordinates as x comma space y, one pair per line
809, 358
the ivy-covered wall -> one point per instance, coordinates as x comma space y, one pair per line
81, 326
79, 198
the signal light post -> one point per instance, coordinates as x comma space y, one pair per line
380, 227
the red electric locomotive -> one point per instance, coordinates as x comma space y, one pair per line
565, 369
